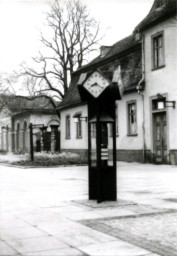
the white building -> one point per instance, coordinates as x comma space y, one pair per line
147, 114
17, 113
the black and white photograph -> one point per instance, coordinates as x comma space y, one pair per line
88, 128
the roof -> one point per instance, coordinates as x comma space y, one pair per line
116, 49
18, 103
158, 14
72, 96
35, 111
124, 53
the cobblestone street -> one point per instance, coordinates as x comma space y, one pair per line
47, 212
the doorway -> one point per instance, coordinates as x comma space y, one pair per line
160, 137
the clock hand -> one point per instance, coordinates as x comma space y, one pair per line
96, 85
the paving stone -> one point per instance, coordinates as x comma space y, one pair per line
11, 223
30, 245
114, 248
160, 228
152, 254
157, 232
6, 250
59, 252
21, 232
70, 208
63, 228
85, 238
106, 204
35, 219
115, 212
83, 215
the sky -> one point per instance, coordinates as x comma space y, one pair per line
21, 21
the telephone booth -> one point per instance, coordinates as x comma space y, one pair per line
100, 94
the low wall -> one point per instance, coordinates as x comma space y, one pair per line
82, 152
129, 155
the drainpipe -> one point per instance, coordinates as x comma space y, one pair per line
140, 88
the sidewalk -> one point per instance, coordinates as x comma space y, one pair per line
62, 221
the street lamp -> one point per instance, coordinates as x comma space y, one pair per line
77, 118
163, 103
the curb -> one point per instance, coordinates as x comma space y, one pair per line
39, 166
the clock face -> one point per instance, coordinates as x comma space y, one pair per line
96, 84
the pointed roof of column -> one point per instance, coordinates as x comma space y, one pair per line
160, 11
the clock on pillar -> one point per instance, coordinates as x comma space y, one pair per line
100, 94
96, 84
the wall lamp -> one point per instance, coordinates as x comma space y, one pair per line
163, 103
78, 117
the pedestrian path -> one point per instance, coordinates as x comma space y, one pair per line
83, 227
62, 221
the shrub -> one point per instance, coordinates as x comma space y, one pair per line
48, 159
10, 158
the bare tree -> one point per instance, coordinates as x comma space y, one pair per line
7, 82
72, 35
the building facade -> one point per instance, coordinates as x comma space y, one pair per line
146, 124
17, 113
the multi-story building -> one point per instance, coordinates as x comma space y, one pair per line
146, 62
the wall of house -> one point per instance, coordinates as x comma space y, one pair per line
45, 119
74, 144
162, 81
35, 119
129, 148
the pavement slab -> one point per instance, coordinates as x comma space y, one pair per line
25, 231
59, 252
38, 218
6, 250
87, 237
11, 223
114, 248
62, 228
30, 245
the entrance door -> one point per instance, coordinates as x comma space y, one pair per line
160, 137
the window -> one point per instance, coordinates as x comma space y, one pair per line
68, 127
158, 51
79, 127
132, 123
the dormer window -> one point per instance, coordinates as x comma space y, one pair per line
160, 3
104, 50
